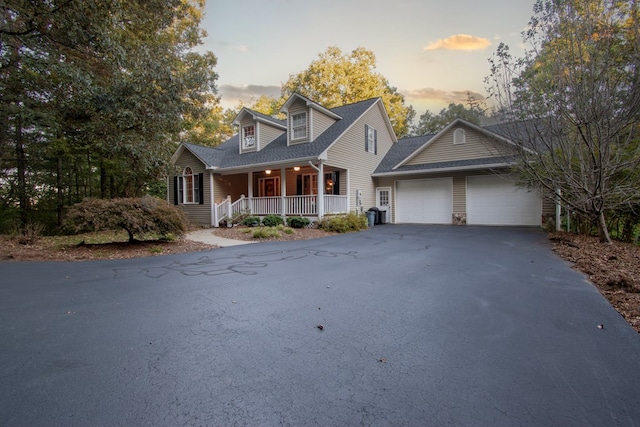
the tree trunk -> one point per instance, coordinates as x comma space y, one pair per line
60, 191
21, 162
603, 230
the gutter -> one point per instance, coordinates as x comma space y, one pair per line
440, 170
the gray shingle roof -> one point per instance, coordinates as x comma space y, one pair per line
227, 156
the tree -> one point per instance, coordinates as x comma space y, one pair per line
573, 104
431, 123
95, 94
336, 79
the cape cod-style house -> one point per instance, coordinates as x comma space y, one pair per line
321, 161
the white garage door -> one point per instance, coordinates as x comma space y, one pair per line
492, 200
424, 201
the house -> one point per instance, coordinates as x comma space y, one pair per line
321, 161
316, 162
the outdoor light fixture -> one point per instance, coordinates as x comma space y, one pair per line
296, 168
268, 171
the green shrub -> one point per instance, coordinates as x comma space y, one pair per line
251, 221
298, 222
272, 220
137, 216
344, 223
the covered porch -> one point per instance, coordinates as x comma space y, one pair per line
310, 191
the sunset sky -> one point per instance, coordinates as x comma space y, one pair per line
432, 51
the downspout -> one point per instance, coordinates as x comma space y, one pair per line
320, 202
558, 210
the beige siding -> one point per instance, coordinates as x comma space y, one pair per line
349, 153
267, 134
298, 107
476, 146
196, 213
320, 123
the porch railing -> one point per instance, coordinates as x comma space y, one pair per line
293, 205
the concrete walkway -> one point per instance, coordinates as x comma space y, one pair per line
206, 235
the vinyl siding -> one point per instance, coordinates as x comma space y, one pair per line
320, 123
349, 153
476, 146
267, 134
195, 213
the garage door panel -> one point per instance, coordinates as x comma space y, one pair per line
426, 201
492, 200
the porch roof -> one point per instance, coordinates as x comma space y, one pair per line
226, 156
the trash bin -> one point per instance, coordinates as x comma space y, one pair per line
382, 217
371, 217
376, 218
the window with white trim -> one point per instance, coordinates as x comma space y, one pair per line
248, 136
459, 136
299, 126
371, 139
188, 187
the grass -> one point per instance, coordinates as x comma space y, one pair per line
268, 232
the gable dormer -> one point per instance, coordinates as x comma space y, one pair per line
306, 120
256, 130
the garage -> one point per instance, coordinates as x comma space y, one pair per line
424, 201
494, 200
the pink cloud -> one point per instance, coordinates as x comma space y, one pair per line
460, 42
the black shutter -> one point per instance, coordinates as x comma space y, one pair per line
375, 141
175, 190
201, 188
299, 185
366, 138
336, 182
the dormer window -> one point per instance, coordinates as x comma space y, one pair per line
299, 126
459, 136
248, 136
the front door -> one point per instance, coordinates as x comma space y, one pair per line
269, 187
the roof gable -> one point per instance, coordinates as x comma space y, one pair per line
478, 143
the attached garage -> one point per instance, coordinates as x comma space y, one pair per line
424, 201
493, 200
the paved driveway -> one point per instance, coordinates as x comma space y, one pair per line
421, 326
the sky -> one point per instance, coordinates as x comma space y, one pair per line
434, 52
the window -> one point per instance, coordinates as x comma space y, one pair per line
299, 126
370, 139
458, 136
310, 184
248, 136
189, 187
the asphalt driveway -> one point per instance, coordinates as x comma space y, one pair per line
421, 325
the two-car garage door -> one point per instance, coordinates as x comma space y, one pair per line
490, 200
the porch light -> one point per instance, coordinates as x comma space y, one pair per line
268, 171
296, 168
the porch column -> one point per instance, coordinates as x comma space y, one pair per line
320, 202
250, 184
283, 192
250, 191
212, 201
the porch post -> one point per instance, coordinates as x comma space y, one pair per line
212, 201
320, 202
283, 192
250, 191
